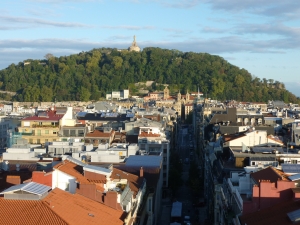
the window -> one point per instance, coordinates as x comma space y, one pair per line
38, 132
38, 141
46, 131
54, 132
30, 140
80, 133
46, 140
253, 163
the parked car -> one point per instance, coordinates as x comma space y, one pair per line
187, 220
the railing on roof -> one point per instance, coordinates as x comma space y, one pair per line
238, 199
232, 189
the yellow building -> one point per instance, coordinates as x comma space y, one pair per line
43, 127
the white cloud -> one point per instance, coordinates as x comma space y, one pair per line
213, 30
271, 8
36, 21
128, 27
277, 29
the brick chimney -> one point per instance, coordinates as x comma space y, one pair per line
141, 172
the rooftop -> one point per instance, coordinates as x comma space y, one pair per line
45, 116
98, 133
150, 134
20, 212
276, 214
135, 182
77, 209
269, 173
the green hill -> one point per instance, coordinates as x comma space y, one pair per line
89, 75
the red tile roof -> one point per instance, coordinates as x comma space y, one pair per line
98, 133
73, 170
271, 174
76, 171
276, 214
31, 212
145, 134
77, 209
51, 116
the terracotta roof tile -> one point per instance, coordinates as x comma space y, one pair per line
135, 182
73, 170
77, 209
29, 212
269, 173
276, 214
51, 116
97, 181
98, 133
145, 134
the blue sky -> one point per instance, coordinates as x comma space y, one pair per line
261, 36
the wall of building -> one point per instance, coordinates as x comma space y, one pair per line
90, 191
19, 156
42, 178
252, 139
63, 181
267, 194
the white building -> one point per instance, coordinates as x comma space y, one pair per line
62, 147
117, 95
252, 138
152, 141
105, 154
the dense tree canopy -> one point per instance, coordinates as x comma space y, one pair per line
90, 75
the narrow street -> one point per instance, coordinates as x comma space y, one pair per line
196, 214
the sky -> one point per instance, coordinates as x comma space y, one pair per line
261, 36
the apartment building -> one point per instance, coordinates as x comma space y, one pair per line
45, 126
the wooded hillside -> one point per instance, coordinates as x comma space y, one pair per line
90, 75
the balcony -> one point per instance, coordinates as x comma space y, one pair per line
24, 133
27, 133
45, 126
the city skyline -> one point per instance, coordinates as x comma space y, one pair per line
259, 36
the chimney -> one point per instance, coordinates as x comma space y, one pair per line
141, 172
